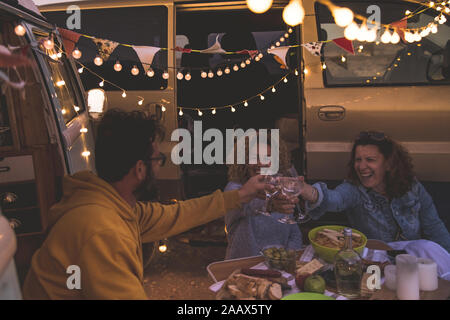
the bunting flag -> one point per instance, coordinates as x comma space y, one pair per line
10, 59
215, 48
345, 44
401, 25
183, 50
280, 55
105, 47
314, 47
146, 55
251, 53
70, 39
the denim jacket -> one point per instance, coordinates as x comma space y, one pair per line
410, 217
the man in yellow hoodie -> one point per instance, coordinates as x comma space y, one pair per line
98, 227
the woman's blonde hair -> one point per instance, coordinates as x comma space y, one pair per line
240, 173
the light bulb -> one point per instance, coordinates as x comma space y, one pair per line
386, 37
180, 113
117, 66
233, 109
257, 58
407, 13
372, 35
442, 20
165, 75
324, 66
59, 54
135, 71
247, 61
203, 74
63, 111
213, 111
362, 33
305, 71
259, 6
219, 72
434, 28
188, 76
261, 97
395, 38
409, 37
150, 73
243, 64
290, 30
98, 61
163, 109
210, 74
260, 55
293, 13
277, 44
85, 154
351, 31
227, 70
417, 36
76, 53
200, 113
83, 130
286, 35
48, 44
296, 72
20, 30
343, 59
141, 102
235, 67
245, 104
282, 39
342, 16
162, 248
124, 94
180, 76
102, 83
80, 70
285, 80
273, 89
77, 109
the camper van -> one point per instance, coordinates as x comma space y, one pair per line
401, 89
45, 132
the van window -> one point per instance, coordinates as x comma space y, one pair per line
140, 26
384, 64
69, 100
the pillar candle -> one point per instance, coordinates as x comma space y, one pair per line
428, 278
390, 278
407, 277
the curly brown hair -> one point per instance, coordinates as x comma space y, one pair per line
240, 173
400, 176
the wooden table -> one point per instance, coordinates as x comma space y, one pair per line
219, 271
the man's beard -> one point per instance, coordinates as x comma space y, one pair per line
147, 190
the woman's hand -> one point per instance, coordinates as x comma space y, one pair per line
283, 204
252, 188
309, 193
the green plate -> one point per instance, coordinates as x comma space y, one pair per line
307, 296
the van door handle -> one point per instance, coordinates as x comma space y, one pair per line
331, 113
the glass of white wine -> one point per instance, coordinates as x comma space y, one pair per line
291, 187
271, 189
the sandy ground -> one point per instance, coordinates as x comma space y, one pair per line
180, 273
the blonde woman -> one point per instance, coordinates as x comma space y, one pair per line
247, 231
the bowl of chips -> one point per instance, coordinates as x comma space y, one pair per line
329, 240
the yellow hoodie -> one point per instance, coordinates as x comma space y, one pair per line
93, 228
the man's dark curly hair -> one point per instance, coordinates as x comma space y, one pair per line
124, 138
400, 177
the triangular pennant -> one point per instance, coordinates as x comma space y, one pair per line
251, 53
280, 55
183, 50
105, 47
215, 48
70, 39
314, 47
146, 55
345, 44
401, 25
9, 59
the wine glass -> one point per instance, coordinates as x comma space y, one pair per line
291, 187
271, 189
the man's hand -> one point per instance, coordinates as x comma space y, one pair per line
251, 188
283, 204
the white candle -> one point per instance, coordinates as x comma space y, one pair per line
390, 278
407, 277
428, 278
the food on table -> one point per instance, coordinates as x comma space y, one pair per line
300, 280
310, 268
335, 239
314, 283
280, 258
244, 287
261, 273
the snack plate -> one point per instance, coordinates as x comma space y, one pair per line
307, 296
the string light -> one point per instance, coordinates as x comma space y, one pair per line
83, 130
351, 31
219, 72
98, 61
117, 66
163, 109
124, 94
180, 113
180, 76
247, 61
86, 154
305, 71
259, 6
213, 111
227, 70
135, 71
273, 89
76, 108
343, 58
102, 83
362, 33
188, 76
342, 16
20, 30
80, 70
296, 72
285, 80
386, 37
293, 13
233, 109
165, 75
76, 53
203, 74
324, 66
210, 74
243, 64
245, 104
235, 67
162, 247
48, 44
150, 73
60, 83
140, 102
261, 97
395, 38
200, 113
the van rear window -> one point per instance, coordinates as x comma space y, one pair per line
141, 26
376, 63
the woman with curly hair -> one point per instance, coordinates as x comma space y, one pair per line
247, 231
382, 198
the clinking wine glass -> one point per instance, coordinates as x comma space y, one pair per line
291, 187
272, 188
